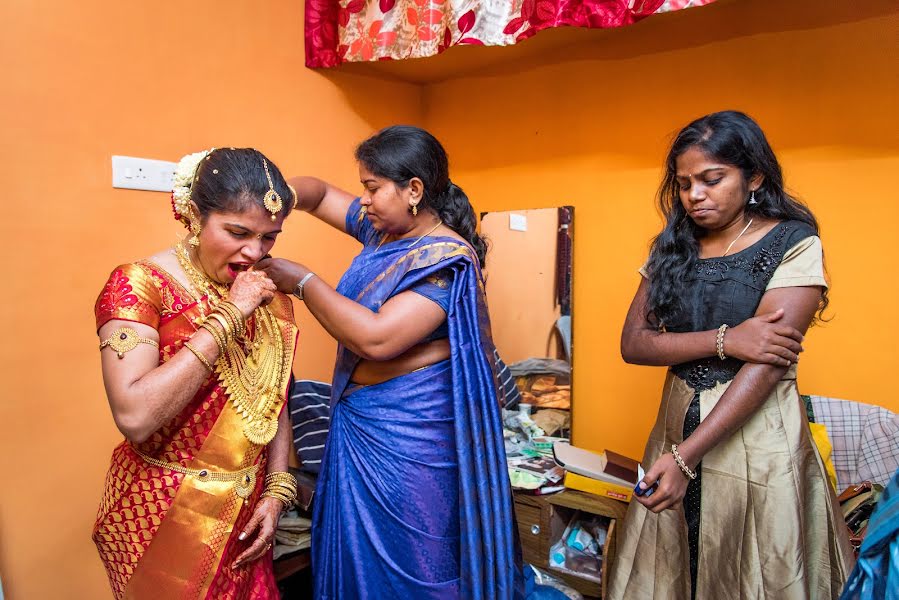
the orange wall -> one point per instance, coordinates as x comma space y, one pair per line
590, 128
83, 81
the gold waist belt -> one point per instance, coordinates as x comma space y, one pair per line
244, 480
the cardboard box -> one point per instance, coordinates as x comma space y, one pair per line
605, 489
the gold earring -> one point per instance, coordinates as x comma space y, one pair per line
414, 210
195, 228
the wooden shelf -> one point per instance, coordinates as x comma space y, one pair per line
541, 520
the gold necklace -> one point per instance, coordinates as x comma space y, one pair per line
253, 376
421, 237
201, 284
731, 245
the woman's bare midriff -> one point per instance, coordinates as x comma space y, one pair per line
371, 372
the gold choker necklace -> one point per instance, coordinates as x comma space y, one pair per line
252, 372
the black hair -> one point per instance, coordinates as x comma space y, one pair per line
232, 179
401, 152
735, 139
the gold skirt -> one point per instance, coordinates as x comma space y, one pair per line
770, 524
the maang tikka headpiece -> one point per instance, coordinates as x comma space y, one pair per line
272, 199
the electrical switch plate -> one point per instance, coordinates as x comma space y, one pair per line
142, 174
518, 222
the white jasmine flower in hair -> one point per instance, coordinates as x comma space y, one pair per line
185, 172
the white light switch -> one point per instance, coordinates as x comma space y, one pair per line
518, 222
142, 174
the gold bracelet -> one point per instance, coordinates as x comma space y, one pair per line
285, 503
281, 477
680, 463
212, 326
125, 339
238, 316
719, 341
226, 326
216, 335
286, 496
232, 324
199, 356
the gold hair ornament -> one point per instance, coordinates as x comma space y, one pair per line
185, 176
124, 340
272, 199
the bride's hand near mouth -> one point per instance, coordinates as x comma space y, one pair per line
286, 274
250, 290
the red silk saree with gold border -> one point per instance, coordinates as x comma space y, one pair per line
160, 533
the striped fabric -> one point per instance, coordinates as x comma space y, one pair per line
310, 415
511, 395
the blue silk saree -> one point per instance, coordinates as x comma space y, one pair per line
413, 499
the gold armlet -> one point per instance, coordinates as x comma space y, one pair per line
124, 340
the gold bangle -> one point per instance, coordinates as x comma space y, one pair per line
282, 489
125, 339
212, 326
680, 463
199, 356
215, 333
286, 495
233, 324
235, 312
281, 476
226, 326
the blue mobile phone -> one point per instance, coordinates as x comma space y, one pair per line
648, 491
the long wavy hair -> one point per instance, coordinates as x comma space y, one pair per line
732, 138
401, 152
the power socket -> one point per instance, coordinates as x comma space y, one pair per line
133, 173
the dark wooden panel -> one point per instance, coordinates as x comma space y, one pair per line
533, 534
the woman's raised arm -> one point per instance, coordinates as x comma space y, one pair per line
322, 200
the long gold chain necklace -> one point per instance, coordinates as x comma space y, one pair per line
420, 238
201, 284
252, 373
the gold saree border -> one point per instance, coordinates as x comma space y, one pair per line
187, 549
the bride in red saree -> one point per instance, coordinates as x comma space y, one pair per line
197, 349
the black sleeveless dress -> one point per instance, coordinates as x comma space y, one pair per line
760, 519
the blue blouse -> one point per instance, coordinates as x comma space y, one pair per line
435, 288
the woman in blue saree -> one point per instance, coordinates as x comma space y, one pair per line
413, 499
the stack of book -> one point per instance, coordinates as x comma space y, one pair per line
606, 474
